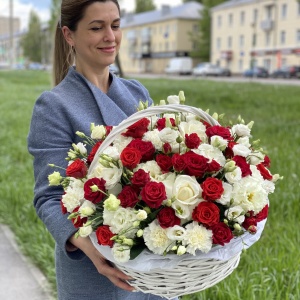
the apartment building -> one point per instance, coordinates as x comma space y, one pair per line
249, 33
151, 39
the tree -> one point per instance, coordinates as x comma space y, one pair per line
144, 5
32, 40
202, 39
55, 14
200, 1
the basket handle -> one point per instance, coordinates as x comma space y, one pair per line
150, 111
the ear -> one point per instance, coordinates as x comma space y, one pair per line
68, 35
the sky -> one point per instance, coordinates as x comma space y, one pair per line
22, 8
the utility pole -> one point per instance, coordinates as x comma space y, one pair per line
11, 34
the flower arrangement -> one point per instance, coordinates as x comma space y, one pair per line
169, 183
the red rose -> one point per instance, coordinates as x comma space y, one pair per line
213, 167
130, 157
242, 163
249, 221
108, 129
161, 123
153, 194
140, 178
262, 214
63, 208
206, 213
146, 148
196, 165
93, 189
265, 173
93, 152
128, 196
167, 148
164, 162
220, 131
192, 140
267, 162
137, 129
221, 234
229, 150
104, 236
78, 221
167, 218
212, 189
178, 162
77, 169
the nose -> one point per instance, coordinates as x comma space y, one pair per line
109, 35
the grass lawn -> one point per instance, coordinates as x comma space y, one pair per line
269, 270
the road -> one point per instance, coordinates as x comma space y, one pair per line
273, 81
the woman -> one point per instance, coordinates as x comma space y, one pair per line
89, 36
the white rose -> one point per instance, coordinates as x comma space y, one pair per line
255, 158
236, 214
153, 137
186, 189
226, 196
141, 215
183, 211
168, 135
150, 167
112, 152
98, 132
85, 231
193, 126
111, 175
173, 99
121, 142
218, 142
168, 182
234, 176
241, 150
241, 130
211, 153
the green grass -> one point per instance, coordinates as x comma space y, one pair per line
269, 270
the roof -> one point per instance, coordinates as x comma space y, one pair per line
190, 10
232, 3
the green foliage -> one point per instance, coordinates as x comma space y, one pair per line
55, 14
32, 40
269, 269
144, 5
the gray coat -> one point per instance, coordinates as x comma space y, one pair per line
58, 114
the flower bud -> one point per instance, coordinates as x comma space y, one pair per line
85, 231
112, 203
250, 124
181, 250
181, 97
80, 134
140, 233
128, 242
54, 179
229, 166
136, 223
179, 139
162, 102
237, 227
215, 116
141, 215
174, 248
276, 177
168, 203
252, 229
147, 209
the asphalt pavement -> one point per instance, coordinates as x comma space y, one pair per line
19, 278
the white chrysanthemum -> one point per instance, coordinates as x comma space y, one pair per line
193, 126
234, 176
98, 132
241, 150
255, 158
150, 167
121, 253
218, 142
226, 196
236, 214
153, 137
73, 197
249, 194
87, 208
244, 141
120, 220
186, 189
197, 237
156, 238
241, 130
176, 233
112, 152
111, 175
212, 153
168, 135
120, 142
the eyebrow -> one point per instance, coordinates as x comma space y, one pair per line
101, 21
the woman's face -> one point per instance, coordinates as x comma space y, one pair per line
98, 36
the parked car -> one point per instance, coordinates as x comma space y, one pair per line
179, 65
287, 72
36, 66
208, 69
257, 72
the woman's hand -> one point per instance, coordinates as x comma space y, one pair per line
102, 265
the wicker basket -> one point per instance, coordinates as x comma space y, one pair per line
190, 275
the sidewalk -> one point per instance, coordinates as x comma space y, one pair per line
19, 279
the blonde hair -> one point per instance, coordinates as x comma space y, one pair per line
64, 56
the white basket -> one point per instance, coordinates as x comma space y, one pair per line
189, 275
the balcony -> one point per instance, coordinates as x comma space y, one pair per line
267, 25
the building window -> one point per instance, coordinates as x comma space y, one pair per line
242, 18
219, 21
255, 16
283, 11
218, 43
242, 41
282, 37
269, 12
298, 36
254, 40
195, 28
241, 65
298, 8
229, 42
230, 19
267, 39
